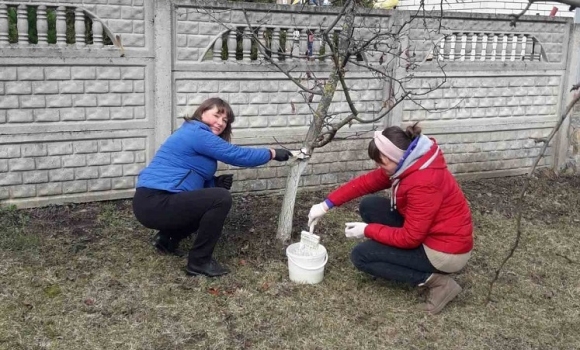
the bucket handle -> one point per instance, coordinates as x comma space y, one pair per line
310, 268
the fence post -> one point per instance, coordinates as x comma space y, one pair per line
163, 94
569, 78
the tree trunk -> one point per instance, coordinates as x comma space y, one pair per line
287, 211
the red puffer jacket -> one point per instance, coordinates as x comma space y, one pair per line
435, 210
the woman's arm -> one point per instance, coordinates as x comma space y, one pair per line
213, 146
371, 182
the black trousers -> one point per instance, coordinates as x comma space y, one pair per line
404, 265
178, 215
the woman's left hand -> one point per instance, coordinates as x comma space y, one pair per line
224, 181
355, 229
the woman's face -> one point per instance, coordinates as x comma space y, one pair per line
387, 165
216, 121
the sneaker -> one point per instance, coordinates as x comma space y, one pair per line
209, 269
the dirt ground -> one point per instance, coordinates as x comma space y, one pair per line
86, 276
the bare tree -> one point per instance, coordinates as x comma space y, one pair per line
381, 50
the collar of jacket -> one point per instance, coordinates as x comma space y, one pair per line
426, 154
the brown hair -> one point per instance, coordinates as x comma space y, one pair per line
222, 107
399, 137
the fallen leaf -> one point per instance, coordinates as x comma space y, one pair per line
243, 262
214, 291
89, 302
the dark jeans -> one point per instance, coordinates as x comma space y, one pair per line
178, 215
380, 260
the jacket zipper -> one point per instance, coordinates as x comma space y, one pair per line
185, 177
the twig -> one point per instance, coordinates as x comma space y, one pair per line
539, 139
519, 204
567, 258
517, 16
270, 60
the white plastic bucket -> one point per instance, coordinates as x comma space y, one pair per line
306, 268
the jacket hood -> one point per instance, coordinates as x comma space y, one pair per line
422, 153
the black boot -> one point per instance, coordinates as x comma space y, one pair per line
210, 269
166, 245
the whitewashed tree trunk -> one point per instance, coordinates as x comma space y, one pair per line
312, 138
287, 210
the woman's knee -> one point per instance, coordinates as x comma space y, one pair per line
357, 256
223, 197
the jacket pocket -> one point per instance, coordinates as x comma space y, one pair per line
183, 179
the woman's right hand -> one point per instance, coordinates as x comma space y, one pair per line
316, 212
280, 154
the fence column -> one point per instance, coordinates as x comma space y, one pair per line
232, 44
42, 25
22, 25
3, 25
163, 94
60, 26
97, 34
247, 43
79, 27
569, 78
217, 49
275, 44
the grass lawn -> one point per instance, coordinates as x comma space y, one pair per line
85, 276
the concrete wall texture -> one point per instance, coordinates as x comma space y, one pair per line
78, 121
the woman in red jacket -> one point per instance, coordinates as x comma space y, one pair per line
424, 231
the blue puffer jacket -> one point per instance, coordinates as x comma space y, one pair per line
187, 160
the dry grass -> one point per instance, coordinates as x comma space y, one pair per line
85, 276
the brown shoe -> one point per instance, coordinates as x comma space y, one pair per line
442, 289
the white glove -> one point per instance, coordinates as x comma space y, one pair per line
316, 212
355, 229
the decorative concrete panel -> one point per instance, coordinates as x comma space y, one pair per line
59, 169
78, 121
48, 94
123, 17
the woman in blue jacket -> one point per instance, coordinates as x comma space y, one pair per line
178, 194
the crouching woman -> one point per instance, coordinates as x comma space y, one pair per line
178, 192
424, 231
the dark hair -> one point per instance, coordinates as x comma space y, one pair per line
398, 137
222, 107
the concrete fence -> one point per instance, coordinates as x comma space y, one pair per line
85, 102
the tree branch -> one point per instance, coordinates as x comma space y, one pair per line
519, 204
274, 63
515, 17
